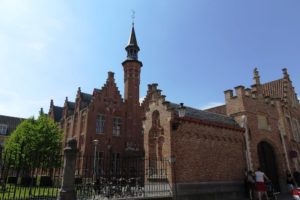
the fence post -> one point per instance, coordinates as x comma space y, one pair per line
67, 191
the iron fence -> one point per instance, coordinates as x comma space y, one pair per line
99, 177
119, 178
29, 178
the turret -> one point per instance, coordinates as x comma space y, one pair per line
132, 69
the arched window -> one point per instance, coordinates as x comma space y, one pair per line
155, 119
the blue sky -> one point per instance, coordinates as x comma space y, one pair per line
194, 49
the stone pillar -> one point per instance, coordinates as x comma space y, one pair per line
67, 191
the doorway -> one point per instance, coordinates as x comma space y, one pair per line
267, 161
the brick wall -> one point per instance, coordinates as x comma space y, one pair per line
207, 153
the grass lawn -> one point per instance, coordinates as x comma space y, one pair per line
20, 192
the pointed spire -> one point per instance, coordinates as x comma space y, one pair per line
132, 39
132, 47
51, 103
256, 76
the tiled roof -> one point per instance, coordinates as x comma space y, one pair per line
11, 122
207, 116
218, 109
274, 89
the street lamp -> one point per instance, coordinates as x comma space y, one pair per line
181, 110
95, 142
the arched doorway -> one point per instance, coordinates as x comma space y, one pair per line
267, 161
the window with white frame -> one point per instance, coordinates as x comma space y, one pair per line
3, 129
100, 122
116, 126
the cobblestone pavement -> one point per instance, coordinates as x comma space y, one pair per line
285, 197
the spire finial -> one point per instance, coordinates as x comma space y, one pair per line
133, 16
285, 73
256, 76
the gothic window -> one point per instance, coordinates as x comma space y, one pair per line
155, 119
100, 122
116, 126
3, 129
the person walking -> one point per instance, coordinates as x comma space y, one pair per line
251, 184
296, 175
290, 182
260, 185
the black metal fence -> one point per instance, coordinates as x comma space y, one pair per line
29, 178
116, 178
99, 177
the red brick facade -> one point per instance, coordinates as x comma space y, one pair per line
104, 115
258, 126
210, 151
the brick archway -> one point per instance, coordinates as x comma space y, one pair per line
267, 161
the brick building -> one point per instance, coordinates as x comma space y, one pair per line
208, 151
104, 115
258, 126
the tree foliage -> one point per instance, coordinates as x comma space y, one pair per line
34, 143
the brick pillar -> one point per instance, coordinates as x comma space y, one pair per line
67, 191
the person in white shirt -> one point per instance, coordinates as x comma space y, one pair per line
260, 183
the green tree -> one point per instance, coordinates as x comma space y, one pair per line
34, 144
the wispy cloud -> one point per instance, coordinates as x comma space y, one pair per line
141, 99
211, 105
11, 103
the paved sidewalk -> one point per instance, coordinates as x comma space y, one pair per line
285, 196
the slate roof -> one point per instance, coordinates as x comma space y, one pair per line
274, 89
132, 40
207, 116
11, 122
57, 113
71, 105
86, 97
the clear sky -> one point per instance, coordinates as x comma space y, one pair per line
194, 49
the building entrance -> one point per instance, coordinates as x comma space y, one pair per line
267, 162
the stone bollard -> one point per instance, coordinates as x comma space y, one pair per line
67, 191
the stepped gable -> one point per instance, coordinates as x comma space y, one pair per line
192, 114
204, 116
109, 91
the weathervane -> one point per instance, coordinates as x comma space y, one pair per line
133, 16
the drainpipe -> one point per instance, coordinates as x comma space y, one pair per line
247, 142
284, 146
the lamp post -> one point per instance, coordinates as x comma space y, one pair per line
95, 142
181, 110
